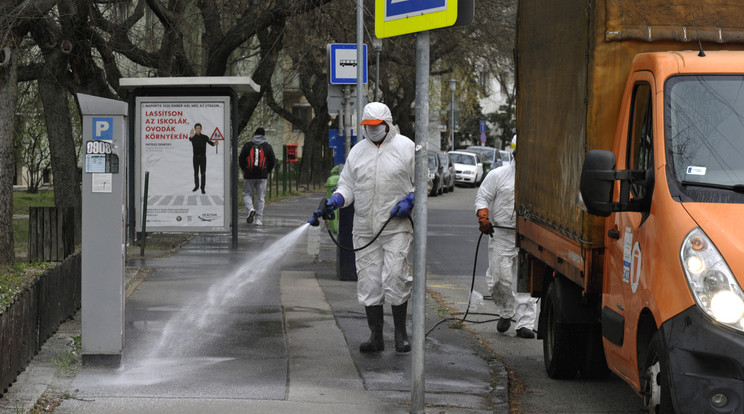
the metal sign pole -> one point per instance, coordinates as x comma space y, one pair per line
420, 220
347, 121
360, 65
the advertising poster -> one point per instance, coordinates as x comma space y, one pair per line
182, 146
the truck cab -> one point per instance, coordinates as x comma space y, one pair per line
672, 192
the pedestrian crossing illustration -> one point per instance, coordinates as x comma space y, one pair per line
191, 200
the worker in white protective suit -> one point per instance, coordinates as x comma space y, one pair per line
494, 205
378, 178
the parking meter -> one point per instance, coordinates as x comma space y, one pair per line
103, 228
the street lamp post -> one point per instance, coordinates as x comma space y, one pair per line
377, 47
453, 86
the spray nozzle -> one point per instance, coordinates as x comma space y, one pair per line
313, 221
324, 211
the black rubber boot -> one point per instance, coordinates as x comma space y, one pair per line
375, 320
400, 313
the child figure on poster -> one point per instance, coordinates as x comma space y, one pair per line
199, 143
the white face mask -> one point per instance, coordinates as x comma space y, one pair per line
376, 133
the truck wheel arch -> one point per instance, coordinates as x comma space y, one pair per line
646, 330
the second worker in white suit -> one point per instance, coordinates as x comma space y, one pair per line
494, 205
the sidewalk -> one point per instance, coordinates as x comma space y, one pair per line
286, 340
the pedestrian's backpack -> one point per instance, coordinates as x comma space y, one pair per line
256, 160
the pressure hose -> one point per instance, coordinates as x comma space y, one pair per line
470, 296
349, 249
472, 282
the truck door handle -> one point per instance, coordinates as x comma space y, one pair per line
613, 234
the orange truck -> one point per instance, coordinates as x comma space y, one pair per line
630, 194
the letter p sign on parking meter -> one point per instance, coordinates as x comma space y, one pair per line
103, 129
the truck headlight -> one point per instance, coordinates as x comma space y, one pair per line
714, 287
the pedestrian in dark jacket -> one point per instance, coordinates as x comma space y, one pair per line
257, 160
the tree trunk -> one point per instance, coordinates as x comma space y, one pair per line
8, 91
315, 167
59, 129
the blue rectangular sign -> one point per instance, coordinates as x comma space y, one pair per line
338, 143
103, 129
343, 63
482, 127
398, 9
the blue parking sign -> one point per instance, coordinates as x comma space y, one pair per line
103, 129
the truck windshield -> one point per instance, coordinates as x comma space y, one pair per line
704, 117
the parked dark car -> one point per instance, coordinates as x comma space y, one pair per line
448, 172
491, 156
435, 174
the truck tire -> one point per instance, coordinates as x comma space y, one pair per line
655, 388
595, 364
561, 341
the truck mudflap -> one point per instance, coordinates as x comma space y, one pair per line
706, 363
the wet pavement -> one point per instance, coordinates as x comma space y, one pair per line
269, 328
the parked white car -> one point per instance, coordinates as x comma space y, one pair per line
468, 167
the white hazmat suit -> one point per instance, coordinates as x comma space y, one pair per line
496, 194
375, 178
378, 179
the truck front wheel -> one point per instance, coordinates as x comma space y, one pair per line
657, 394
560, 340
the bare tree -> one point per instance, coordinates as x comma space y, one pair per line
7, 110
85, 45
15, 16
31, 146
471, 53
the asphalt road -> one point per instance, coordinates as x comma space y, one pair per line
451, 245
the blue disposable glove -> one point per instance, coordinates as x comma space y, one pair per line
404, 207
335, 202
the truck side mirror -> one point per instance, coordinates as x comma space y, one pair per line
597, 191
598, 176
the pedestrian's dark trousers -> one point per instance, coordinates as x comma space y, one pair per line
200, 164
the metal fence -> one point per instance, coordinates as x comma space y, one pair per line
285, 177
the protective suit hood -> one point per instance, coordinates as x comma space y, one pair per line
375, 113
